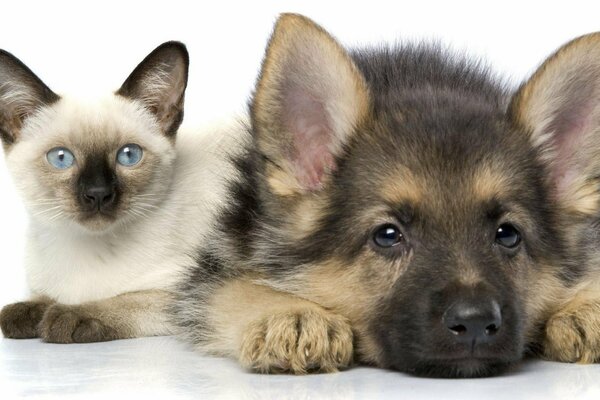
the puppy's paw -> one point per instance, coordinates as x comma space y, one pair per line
20, 320
72, 324
297, 342
573, 335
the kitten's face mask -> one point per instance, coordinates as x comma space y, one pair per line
94, 164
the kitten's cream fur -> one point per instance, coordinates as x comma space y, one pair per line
141, 251
97, 279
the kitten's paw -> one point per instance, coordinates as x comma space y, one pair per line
71, 324
574, 335
20, 320
297, 342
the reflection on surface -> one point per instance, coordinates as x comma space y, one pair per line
162, 367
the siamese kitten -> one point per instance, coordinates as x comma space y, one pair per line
116, 204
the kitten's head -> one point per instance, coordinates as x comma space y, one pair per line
94, 163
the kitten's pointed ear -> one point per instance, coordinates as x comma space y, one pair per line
310, 97
560, 108
21, 94
159, 82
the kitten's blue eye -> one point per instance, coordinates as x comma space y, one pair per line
129, 155
60, 158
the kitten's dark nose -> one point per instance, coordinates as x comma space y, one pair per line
472, 321
99, 197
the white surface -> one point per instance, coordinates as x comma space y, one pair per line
92, 46
153, 368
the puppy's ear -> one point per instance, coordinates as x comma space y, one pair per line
560, 107
309, 98
21, 94
159, 82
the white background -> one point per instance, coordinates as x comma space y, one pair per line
82, 46
85, 46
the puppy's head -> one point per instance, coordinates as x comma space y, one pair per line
93, 163
405, 197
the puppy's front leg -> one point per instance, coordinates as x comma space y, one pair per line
573, 333
271, 331
129, 315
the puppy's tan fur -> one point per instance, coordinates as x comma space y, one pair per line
271, 331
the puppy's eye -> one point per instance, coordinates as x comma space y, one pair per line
508, 236
129, 155
387, 235
60, 158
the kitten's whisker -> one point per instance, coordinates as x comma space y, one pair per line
56, 216
147, 212
47, 210
136, 212
148, 204
42, 203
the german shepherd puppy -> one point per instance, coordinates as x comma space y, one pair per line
393, 208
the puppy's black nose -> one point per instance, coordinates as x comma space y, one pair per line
473, 322
98, 197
